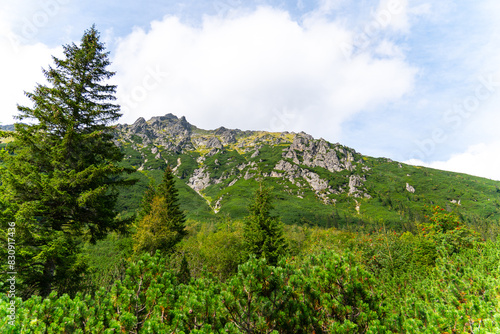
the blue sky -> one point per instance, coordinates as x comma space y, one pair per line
412, 80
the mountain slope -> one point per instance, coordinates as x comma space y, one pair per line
314, 181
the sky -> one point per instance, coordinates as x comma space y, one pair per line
416, 81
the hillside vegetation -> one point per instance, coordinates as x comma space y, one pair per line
369, 245
162, 227
439, 281
314, 182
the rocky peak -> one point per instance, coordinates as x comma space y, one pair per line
171, 124
139, 126
301, 141
166, 117
173, 133
226, 136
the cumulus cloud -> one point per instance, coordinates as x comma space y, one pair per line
254, 70
21, 69
480, 160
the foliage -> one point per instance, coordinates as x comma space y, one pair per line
147, 201
460, 295
162, 224
263, 232
129, 202
445, 228
287, 298
168, 190
184, 275
341, 290
217, 247
61, 171
107, 261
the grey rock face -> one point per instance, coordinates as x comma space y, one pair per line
199, 180
138, 126
214, 142
319, 153
315, 182
226, 136
355, 184
410, 188
293, 172
168, 131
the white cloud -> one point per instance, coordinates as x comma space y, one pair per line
388, 49
21, 67
254, 70
480, 160
392, 14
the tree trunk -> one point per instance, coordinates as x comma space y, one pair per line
48, 277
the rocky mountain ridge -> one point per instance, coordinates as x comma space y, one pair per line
313, 181
299, 156
9, 127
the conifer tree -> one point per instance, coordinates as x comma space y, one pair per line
61, 170
162, 224
168, 190
184, 274
147, 200
264, 235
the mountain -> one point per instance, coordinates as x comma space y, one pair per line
9, 127
314, 181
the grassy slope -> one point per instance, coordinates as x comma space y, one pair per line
391, 204
477, 195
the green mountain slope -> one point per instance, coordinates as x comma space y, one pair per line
313, 181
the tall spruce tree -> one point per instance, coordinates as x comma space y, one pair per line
162, 223
263, 233
61, 169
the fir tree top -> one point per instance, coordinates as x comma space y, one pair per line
77, 99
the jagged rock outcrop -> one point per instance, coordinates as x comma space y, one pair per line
410, 188
293, 172
139, 126
214, 142
169, 132
176, 134
226, 136
200, 179
319, 153
164, 136
356, 182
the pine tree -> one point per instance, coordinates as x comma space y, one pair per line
184, 274
162, 224
61, 171
147, 199
167, 189
263, 232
